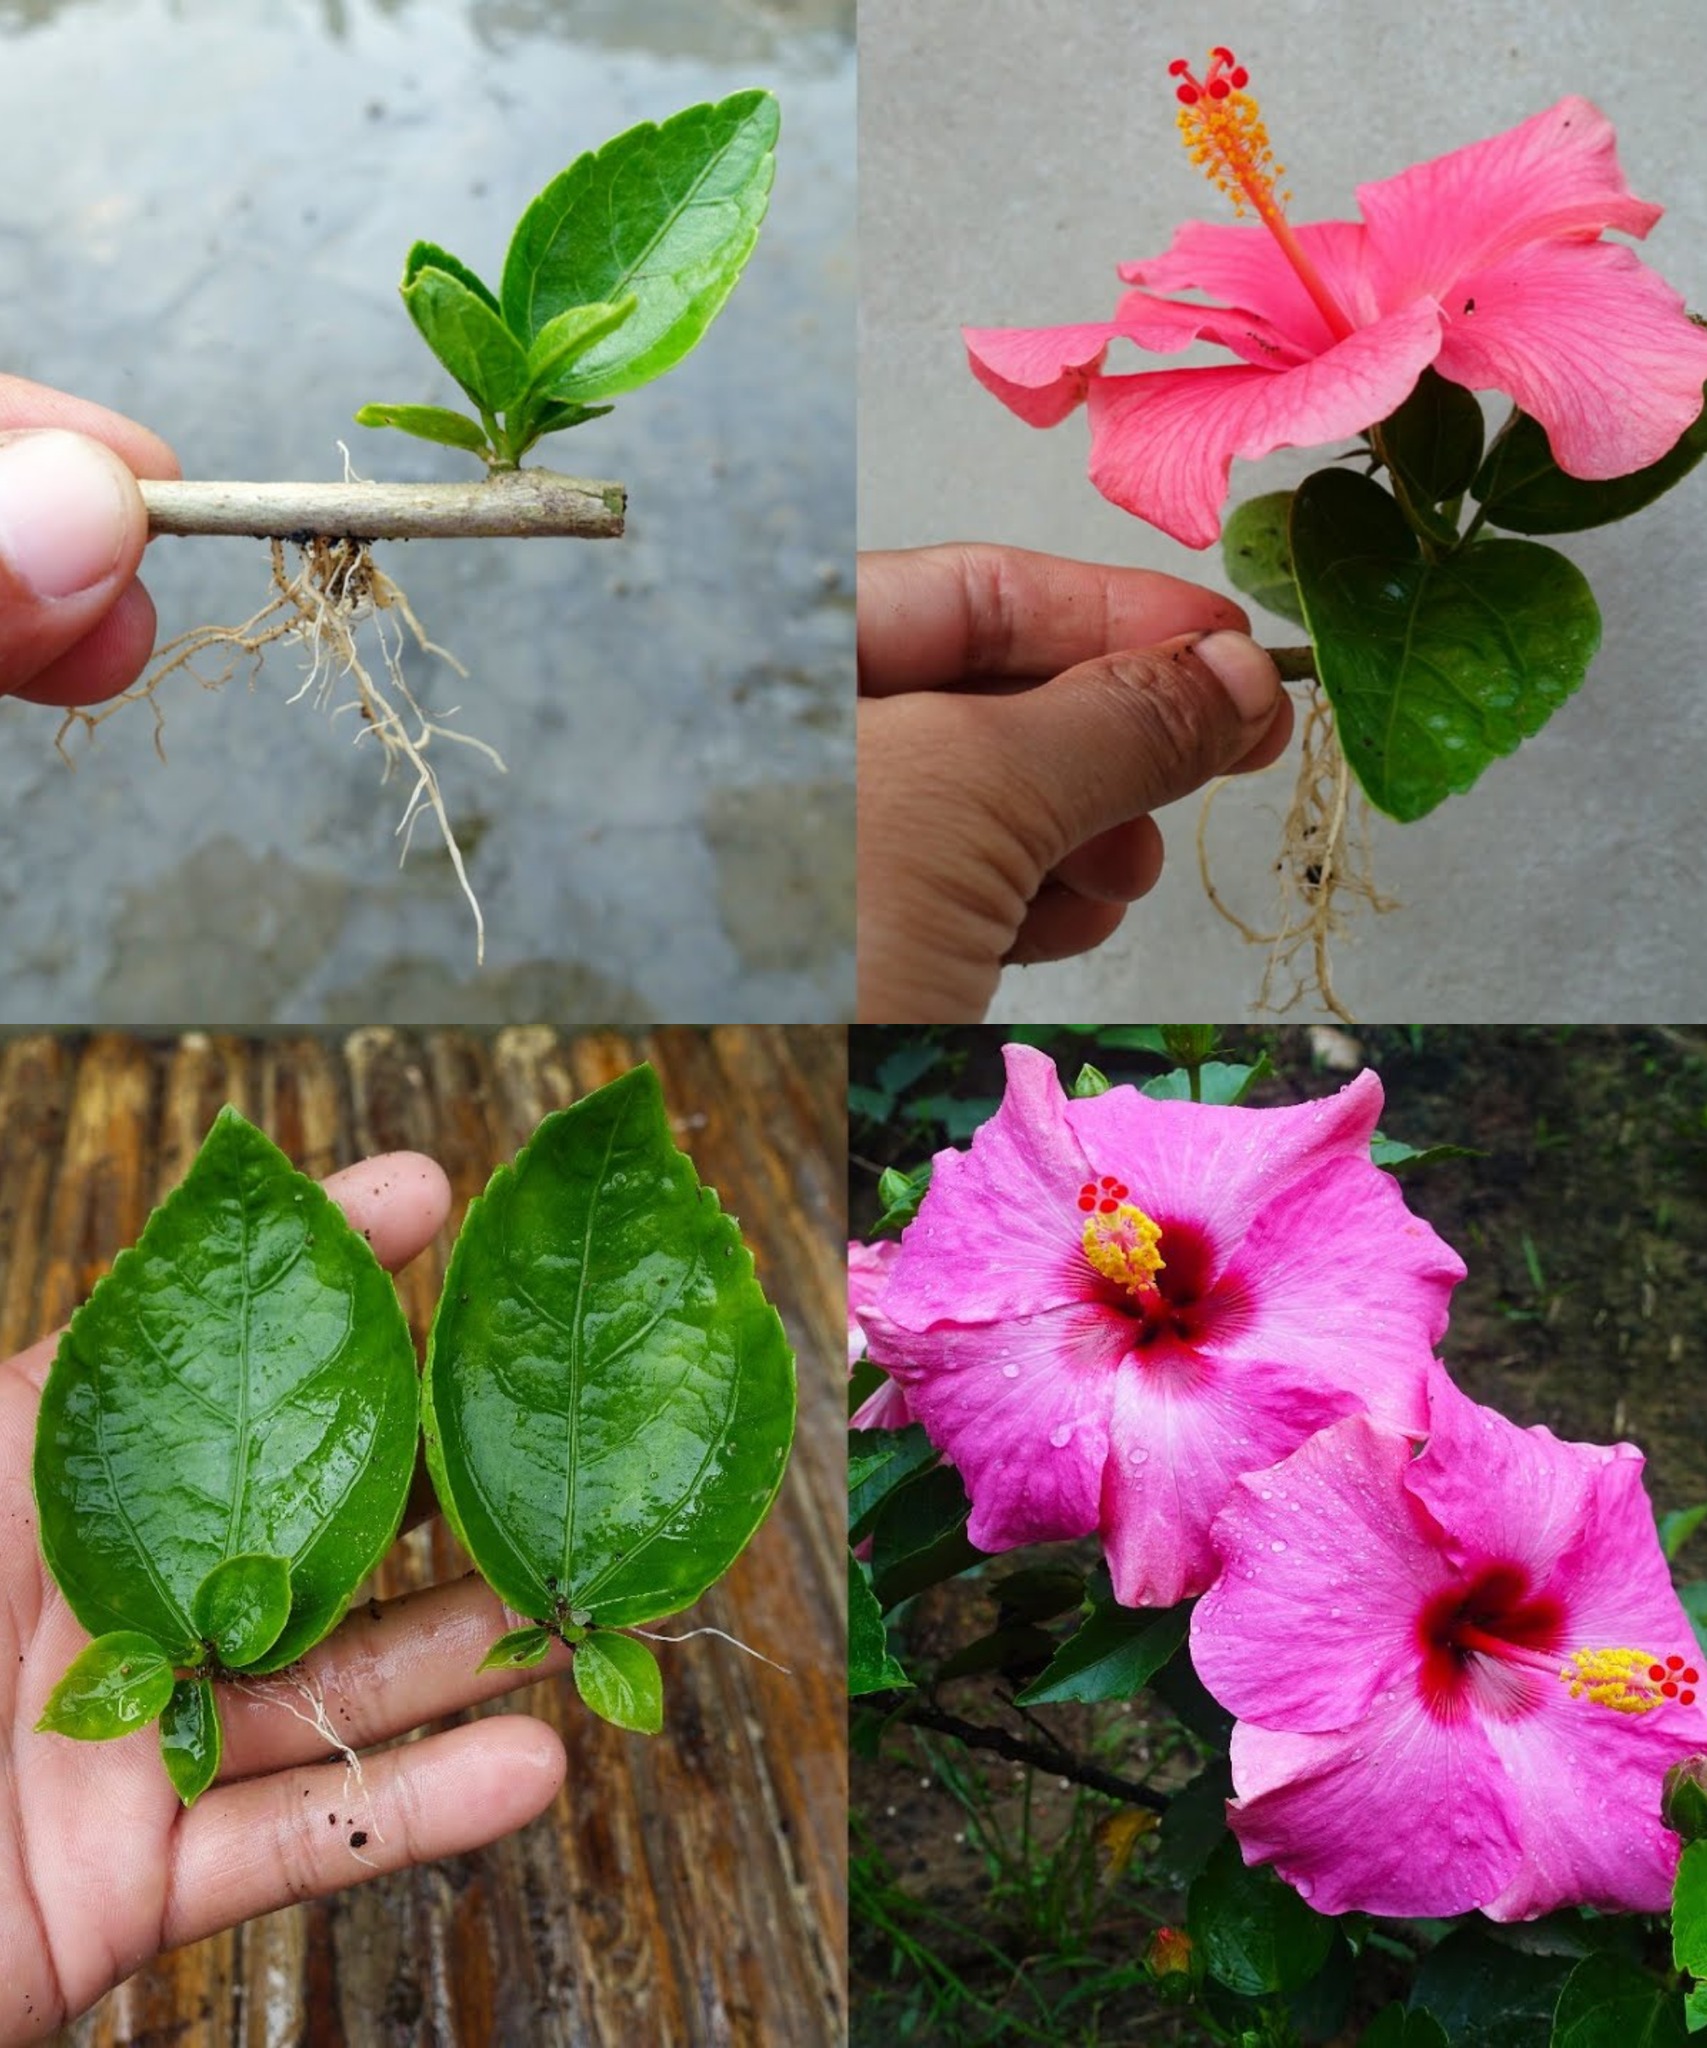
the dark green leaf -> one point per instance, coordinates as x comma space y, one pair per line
1434, 441
919, 1537
1217, 1081
242, 1381
118, 1684
906, 1065
1195, 1822
1257, 550
1486, 1994
1036, 1592
1677, 1527
1016, 1651
670, 213
1179, 1688
609, 1397
561, 343
879, 1460
1435, 668
429, 256
870, 1103
1689, 1911
1256, 1934
1114, 1652
241, 1607
1694, 1598
1523, 489
870, 1666
900, 1193
618, 1678
1397, 2028
469, 339
1393, 1154
555, 418
429, 423
1608, 2002
520, 1650
190, 1739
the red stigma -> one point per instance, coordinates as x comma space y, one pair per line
1656, 1671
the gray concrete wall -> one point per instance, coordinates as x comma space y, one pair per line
1010, 154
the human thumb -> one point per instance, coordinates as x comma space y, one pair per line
72, 530
1120, 736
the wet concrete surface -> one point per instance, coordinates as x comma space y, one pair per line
203, 216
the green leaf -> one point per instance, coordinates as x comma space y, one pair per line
190, 1740
1695, 2008
1487, 1994
670, 213
1217, 1081
241, 1607
468, 337
1694, 1598
429, 256
1397, 2028
1257, 550
1035, 1592
1256, 1934
1016, 1651
870, 1666
900, 1193
1112, 1653
1689, 1911
1677, 1527
118, 1684
1523, 489
520, 1650
557, 418
242, 1381
1434, 441
1195, 1822
1434, 668
1608, 2002
609, 1397
1392, 1153
618, 1678
919, 1537
429, 423
880, 1460
562, 342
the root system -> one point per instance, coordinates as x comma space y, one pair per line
276, 1691
321, 605
1324, 868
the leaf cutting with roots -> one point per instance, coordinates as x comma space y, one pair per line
321, 606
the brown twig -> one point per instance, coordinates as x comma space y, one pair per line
1296, 664
1063, 1765
514, 505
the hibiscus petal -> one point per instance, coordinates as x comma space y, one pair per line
869, 1268
1402, 1814
1183, 1429
1590, 342
1614, 1575
1163, 442
885, 1407
998, 1233
1325, 1566
1554, 175
1041, 373
1247, 267
1023, 1411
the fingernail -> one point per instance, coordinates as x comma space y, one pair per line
63, 522
1244, 671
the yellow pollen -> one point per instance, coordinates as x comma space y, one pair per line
1227, 141
1122, 1247
1619, 1679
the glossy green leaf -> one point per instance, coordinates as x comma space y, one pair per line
618, 1679
918, 1538
556, 418
429, 423
1434, 441
118, 1684
1677, 1527
879, 1461
241, 1607
429, 256
562, 342
669, 212
1435, 668
609, 1397
1112, 1653
190, 1739
241, 1382
468, 338
1217, 1080
1394, 1154
1608, 2002
1689, 1911
1195, 1823
1487, 1994
1255, 1933
870, 1666
1523, 489
520, 1650
1256, 547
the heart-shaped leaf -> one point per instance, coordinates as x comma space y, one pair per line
118, 1684
242, 1383
468, 337
241, 1607
618, 1679
1523, 489
190, 1740
1434, 668
609, 1398
668, 212
429, 422
1256, 546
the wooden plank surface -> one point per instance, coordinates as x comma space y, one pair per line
684, 1889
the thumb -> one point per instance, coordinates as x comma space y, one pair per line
72, 530
1117, 737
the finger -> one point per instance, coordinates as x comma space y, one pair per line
1272, 745
1061, 924
23, 404
105, 661
1119, 737
934, 616
397, 1200
1117, 866
72, 530
390, 1666
243, 1850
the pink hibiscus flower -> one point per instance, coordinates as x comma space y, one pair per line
869, 1267
1486, 262
1108, 1309
1460, 1675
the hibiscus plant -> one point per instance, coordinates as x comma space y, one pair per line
1431, 1664
230, 1429
1437, 642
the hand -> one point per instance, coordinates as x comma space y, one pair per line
75, 625
100, 1866
1011, 749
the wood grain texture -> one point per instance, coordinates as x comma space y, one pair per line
685, 1889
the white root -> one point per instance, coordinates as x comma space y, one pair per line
308, 1689
652, 1636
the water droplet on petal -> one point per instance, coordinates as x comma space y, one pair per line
1010, 1372
1136, 1456
1061, 1435
1277, 1544
1266, 1494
